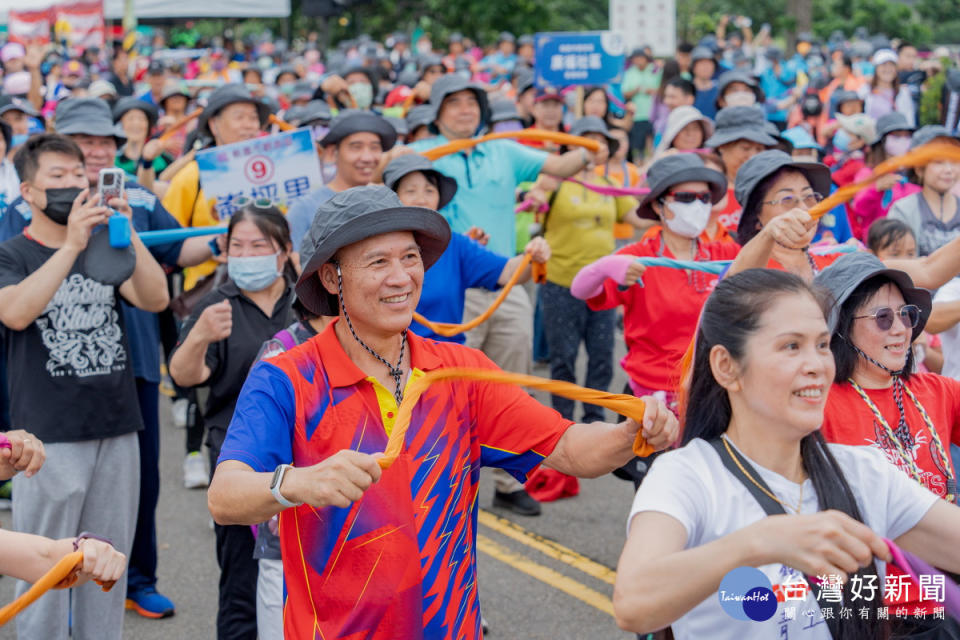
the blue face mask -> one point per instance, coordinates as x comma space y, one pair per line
842, 140
253, 273
19, 139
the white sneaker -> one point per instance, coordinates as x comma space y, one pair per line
195, 474
179, 411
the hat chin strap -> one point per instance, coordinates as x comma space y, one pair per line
395, 371
896, 374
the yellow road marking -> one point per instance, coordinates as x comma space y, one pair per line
547, 547
545, 574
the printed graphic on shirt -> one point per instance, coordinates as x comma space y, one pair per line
80, 329
915, 443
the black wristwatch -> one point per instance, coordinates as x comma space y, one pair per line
146, 164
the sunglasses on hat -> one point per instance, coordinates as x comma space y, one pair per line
909, 316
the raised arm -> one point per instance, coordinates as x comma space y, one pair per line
791, 229
22, 303
567, 164
932, 271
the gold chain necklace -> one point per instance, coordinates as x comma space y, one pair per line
736, 459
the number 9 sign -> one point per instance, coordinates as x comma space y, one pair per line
258, 169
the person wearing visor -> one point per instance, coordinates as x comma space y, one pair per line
878, 401
874, 201
354, 145
329, 406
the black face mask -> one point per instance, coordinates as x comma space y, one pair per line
60, 202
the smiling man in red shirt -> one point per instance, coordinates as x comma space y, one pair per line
392, 554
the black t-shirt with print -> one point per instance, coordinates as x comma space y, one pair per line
69, 373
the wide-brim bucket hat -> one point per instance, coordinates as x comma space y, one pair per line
729, 77
223, 97
679, 118
756, 170
850, 271
354, 215
406, 164
890, 122
675, 169
740, 123
593, 124
131, 103
451, 83
86, 116
351, 121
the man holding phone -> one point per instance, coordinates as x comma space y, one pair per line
89, 123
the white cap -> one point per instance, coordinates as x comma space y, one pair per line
12, 51
884, 55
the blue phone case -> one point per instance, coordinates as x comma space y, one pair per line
119, 231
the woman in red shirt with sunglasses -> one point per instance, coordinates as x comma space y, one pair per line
661, 310
877, 400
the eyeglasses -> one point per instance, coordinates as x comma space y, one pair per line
909, 316
791, 201
686, 197
260, 203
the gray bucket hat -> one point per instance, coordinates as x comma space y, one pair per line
351, 121
503, 110
679, 118
671, 170
354, 215
729, 77
315, 111
740, 123
701, 53
849, 271
223, 97
759, 167
130, 104
451, 83
890, 122
406, 164
399, 125
593, 124
86, 116
16, 103
929, 133
421, 115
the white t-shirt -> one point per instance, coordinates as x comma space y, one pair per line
950, 292
692, 485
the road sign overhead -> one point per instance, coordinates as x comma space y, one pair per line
575, 58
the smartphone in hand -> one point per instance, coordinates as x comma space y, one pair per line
110, 185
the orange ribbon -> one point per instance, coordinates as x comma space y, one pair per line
523, 134
181, 123
919, 157
283, 125
63, 575
447, 329
625, 405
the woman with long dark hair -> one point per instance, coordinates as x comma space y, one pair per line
879, 403
760, 374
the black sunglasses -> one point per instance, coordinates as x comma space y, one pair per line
686, 197
909, 316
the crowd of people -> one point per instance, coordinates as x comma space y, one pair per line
827, 375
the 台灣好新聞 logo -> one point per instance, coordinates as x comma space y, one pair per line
747, 594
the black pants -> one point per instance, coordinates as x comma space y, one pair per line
237, 612
143, 557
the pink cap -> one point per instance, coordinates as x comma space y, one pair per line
12, 51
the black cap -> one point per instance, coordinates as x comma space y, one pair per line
354, 215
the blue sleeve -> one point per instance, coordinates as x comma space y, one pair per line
261, 432
12, 223
481, 266
299, 218
160, 219
526, 161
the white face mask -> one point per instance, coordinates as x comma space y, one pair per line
689, 218
329, 171
896, 145
740, 98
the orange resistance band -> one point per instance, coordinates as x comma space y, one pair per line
523, 134
448, 329
63, 575
181, 123
919, 157
625, 405
283, 125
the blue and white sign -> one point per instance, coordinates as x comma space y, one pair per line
574, 58
280, 168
